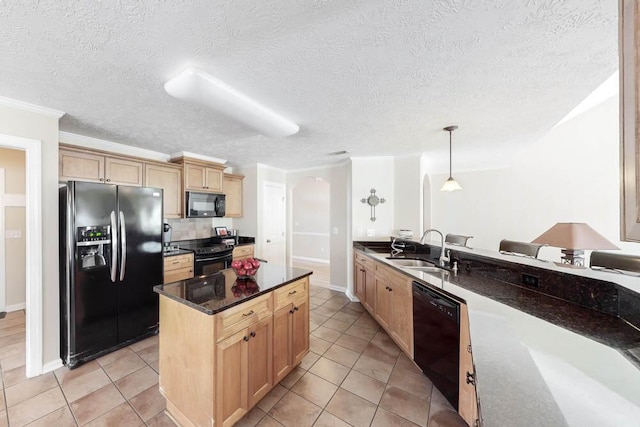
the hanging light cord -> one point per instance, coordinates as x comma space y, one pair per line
450, 154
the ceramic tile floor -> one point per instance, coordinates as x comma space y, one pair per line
354, 375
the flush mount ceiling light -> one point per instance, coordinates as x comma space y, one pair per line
450, 184
194, 85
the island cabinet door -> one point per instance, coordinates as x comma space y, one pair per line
232, 379
260, 356
359, 273
300, 331
282, 350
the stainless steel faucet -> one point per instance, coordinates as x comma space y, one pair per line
442, 258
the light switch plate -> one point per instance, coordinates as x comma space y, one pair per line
13, 234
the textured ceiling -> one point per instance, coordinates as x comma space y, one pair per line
372, 77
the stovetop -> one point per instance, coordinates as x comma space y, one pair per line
202, 247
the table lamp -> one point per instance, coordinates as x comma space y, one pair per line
574, 238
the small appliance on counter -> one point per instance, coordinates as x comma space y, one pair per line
166, 234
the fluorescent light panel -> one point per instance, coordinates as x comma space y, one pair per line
194, 85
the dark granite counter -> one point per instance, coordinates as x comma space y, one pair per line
540, 359
214, 293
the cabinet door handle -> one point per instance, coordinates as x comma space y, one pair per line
101, 179
246, 338
295, 308
290, 311
108, 179
471, 378
390, 289
253, 334
248, 314
386, 287
293, 292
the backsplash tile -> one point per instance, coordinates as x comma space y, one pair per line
191, 228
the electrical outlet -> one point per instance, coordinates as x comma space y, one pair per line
371, 232
335, 230
529, 280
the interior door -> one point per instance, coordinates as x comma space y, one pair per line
141, 263
274, 221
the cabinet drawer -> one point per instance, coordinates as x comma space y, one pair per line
178, 262
363, 259
295, 292
242, 316
176, 275
243, 251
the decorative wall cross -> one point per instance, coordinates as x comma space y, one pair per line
373, 201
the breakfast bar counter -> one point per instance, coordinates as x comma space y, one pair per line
540, 360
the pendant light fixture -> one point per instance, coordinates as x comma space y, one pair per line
450, 184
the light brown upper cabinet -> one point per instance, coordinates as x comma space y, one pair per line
169, 178
629, 22
94, 167
233, 191
204, 178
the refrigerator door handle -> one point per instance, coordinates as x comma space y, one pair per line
123, 245
114, 246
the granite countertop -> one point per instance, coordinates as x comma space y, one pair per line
216, 292
541, 360
177, 252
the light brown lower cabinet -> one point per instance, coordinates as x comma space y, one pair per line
244, 371
291, 329
215, 368
394, 306
467, 395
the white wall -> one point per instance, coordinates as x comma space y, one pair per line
44, 128
251, 222
368, 173
572, 174
407, 206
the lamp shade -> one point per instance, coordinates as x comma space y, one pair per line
198, 87
574, 235
450, 185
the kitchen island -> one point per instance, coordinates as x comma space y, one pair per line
226, 341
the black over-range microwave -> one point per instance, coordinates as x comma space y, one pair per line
205, 205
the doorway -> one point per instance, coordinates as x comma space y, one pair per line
33, 248
274, 223
311, 222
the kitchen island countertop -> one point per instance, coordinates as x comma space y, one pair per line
216, 292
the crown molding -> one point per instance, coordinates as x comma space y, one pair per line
197, 157
114, 147
32, 108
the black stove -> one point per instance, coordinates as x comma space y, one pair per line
206, 247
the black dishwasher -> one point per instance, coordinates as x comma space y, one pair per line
436, 339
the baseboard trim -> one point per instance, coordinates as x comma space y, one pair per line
16, 307
52, 366
351, 296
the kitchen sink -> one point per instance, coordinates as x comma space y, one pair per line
432, 269
412, 263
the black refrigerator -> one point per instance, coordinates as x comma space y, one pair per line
110, 260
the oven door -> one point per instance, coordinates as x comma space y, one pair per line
213, 263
